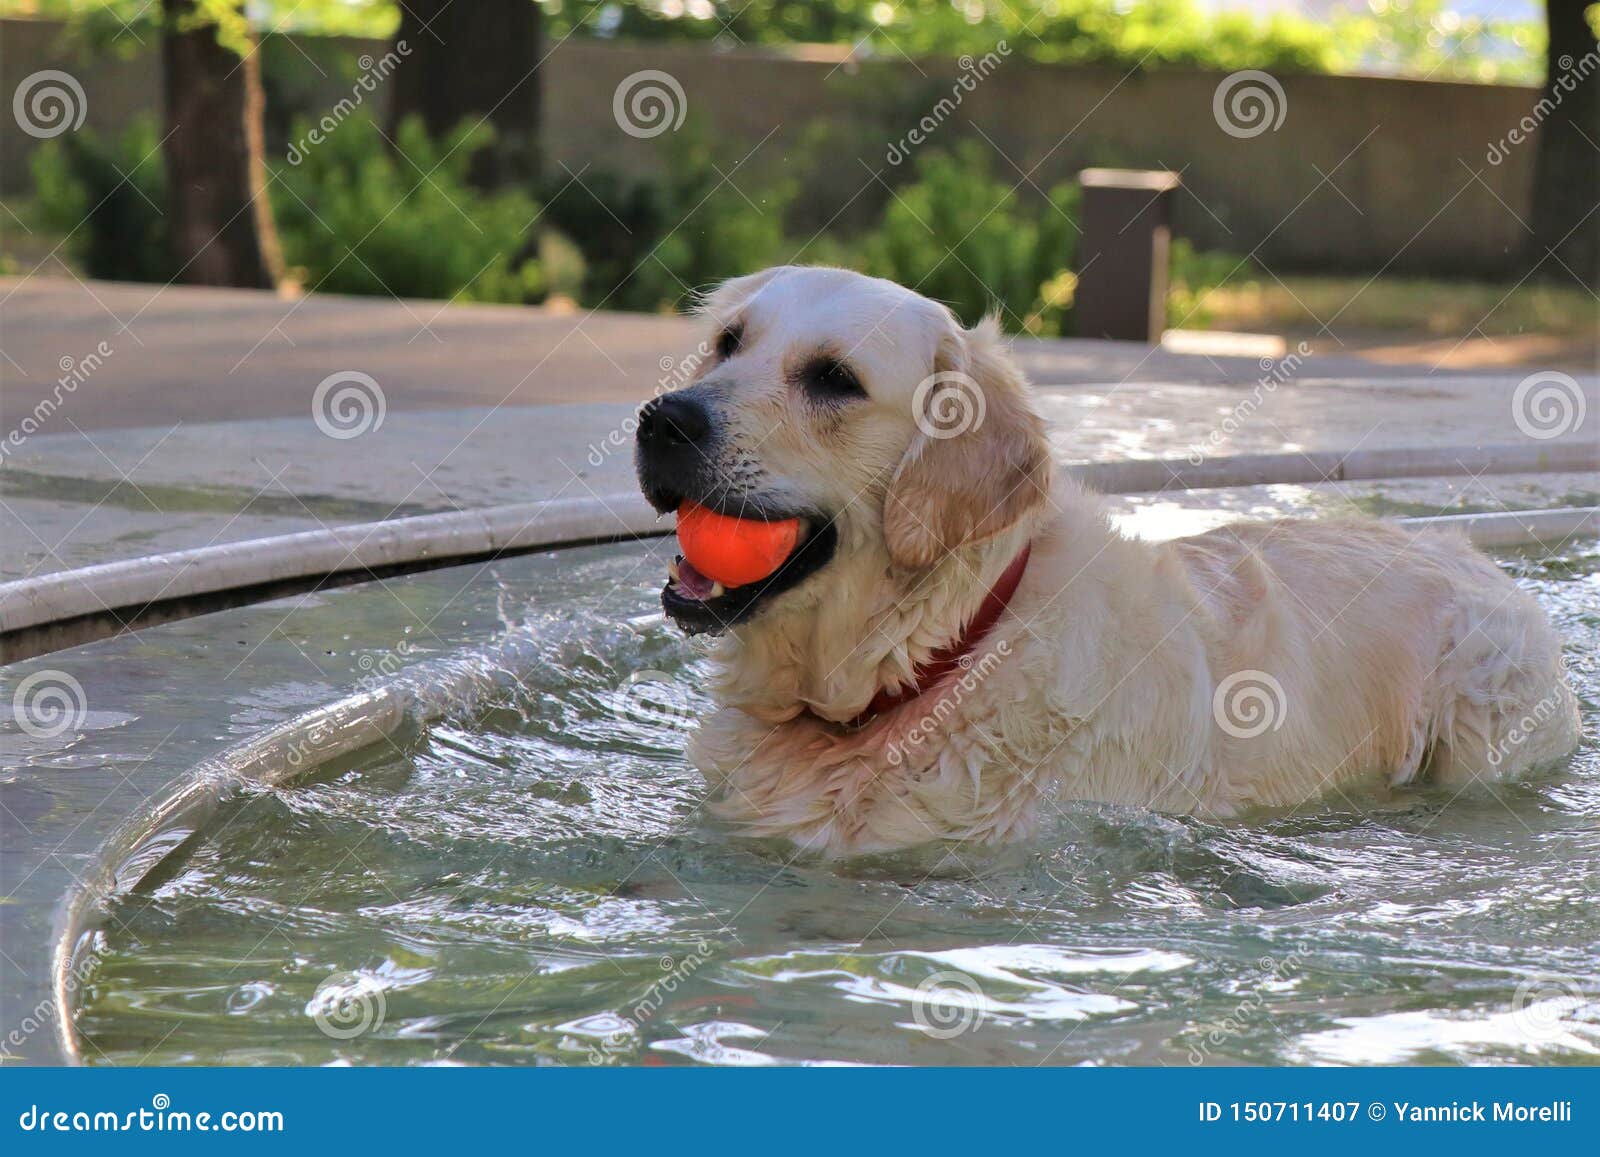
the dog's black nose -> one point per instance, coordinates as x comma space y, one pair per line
672, 420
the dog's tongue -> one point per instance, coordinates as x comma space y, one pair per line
691, 582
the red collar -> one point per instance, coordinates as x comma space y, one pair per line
947, 659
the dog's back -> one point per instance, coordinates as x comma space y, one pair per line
1383, 651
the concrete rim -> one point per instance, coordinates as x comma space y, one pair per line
71, 607
451, 685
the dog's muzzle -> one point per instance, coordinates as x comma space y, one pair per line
675, 454
672, 450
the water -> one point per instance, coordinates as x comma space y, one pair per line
538, 885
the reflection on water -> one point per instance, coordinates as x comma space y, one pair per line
539, 885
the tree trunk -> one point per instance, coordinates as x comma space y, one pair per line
219, 216
1566, 181
470, 62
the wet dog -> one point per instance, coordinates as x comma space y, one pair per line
960, 637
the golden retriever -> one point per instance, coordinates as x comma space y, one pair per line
961, 637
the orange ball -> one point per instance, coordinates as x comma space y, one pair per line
734, 551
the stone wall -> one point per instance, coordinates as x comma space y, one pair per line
1362, 174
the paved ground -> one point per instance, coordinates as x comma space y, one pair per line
196, 355
1429, 354
199, 425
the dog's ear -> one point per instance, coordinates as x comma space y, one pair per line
979, 462
727, 298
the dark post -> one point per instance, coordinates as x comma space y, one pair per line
1122, 255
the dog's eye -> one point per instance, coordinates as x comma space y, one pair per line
729, 340
829, 379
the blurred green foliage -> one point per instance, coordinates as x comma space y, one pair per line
650, 242
1192, 275
358, 215
106, 198
959, 234
354, 215
1415, 37
962, 236
1410, 37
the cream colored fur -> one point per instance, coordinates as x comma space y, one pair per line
1344, 650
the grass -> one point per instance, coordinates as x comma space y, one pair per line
1249, 302
1411, 305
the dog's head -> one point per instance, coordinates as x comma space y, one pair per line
855, 405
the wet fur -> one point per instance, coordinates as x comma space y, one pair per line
1401, 657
